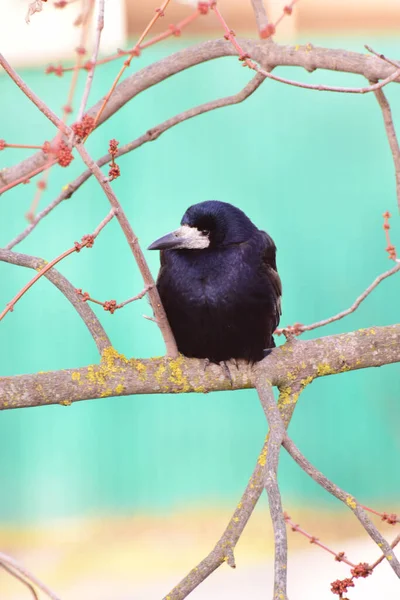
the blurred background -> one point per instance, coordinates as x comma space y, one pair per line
119, 498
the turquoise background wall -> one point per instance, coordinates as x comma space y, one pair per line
315, 171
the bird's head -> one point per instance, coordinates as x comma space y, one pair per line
210, 224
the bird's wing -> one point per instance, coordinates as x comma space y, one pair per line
269, 263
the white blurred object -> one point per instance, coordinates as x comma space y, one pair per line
51, 35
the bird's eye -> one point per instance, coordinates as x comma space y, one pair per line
205, 231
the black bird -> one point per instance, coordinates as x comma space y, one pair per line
219, 284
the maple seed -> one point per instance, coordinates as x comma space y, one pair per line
288, 10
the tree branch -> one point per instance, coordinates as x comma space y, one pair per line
154, 297
97, 332
275, 439
391, 136
21, 579
299, 328
116, 375
131, 238
224, 549
150, 135
15, 566
344, 497
260, 14
268, 55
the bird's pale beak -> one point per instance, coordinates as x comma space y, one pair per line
185, 237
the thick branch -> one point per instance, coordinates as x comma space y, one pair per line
267, 55
85, 312
275, 439
116, 375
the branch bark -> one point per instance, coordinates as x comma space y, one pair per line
224, 549
275, 438
296, 361
267, 55
391, 136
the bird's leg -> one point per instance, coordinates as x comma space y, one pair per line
207, 362
235, 362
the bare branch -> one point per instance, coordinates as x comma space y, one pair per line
33, 97
268, 55
87, 241
154, 297
96, 48
391, 136
100, 337
21, 579
155, 301
318, 87
275, 439
223, 550
11, 562
116, 375
260, 14
150, 135
344, 497
299, 328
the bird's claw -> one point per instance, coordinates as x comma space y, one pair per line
224, 366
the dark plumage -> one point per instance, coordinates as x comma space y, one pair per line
219, 284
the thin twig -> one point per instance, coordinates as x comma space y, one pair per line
391, 136
275, 55
339, 556
330, 88
246, 60
239, 519
151, 135
15, 574
173, 30
87, 241
159, 12
381, 558
275, 438
137, 297
299, 328
96, 330
111, 305
33, 97
96, 48
11, 562
155, 301
156, 304
344, 497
